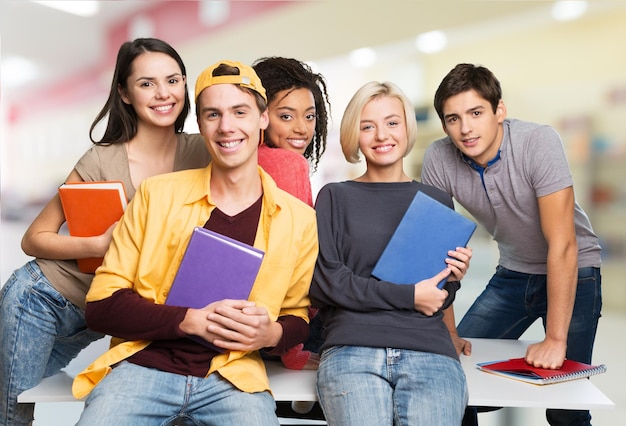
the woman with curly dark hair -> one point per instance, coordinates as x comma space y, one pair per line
299, 111
287, 81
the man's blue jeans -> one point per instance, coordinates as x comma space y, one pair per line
377, 386
135, 395
511, 303
40, 333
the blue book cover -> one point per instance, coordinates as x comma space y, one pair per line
419, 246
214, 267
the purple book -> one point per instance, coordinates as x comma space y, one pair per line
214, 267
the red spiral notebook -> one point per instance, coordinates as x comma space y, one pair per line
519, 369
90, 208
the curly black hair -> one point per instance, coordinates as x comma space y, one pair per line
278, 73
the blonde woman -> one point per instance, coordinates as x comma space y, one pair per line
387, 357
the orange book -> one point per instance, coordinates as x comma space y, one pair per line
90, 208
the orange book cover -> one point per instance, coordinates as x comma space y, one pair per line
90, 208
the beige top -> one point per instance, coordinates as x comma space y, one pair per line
110, 162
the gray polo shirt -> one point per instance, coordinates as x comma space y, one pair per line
532, 164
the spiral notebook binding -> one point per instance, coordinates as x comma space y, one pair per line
576, 375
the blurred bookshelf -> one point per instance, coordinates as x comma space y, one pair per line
608, 196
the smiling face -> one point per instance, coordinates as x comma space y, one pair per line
156, 89
473, 127
292, 120
230, 122
383, 136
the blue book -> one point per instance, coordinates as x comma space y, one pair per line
419, 246
214, 267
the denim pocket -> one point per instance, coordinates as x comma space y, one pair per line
45, 293
330, 352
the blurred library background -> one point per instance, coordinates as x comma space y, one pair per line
559, 62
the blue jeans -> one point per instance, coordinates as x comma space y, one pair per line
40, 333
134, 395
377, 386
511, 303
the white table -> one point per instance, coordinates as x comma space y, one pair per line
484, 389
291, 385
287, 385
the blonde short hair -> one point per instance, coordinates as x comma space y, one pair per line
351, 122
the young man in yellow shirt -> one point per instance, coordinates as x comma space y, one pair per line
154, 372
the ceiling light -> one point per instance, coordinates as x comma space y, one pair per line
431, 42
213, 13
141, 26
567, 10
80, 8
363, 58
17, 71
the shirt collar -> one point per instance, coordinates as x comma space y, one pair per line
478, 167
202, 189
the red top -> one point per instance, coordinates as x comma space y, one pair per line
289, 170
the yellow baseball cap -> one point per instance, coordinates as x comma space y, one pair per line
247, 77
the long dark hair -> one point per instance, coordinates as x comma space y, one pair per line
278, 73
122, 118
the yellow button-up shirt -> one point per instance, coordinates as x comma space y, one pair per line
150, 240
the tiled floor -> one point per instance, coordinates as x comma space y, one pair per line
608, 348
